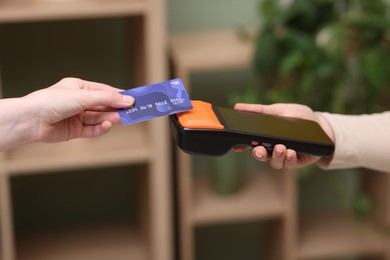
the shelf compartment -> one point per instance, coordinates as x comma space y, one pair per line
202, 51
331, 235
116, 241
122, 145
45, 10
259, 198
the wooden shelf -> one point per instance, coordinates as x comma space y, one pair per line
43, 10
263, 196
202, 51
326, 236
144, 143
122, 145
98, 243
259, 198
330, 235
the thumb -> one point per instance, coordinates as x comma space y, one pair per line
94, 98
273, 109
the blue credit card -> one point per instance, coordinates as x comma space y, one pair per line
155, 100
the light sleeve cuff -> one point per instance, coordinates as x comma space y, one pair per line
360, 141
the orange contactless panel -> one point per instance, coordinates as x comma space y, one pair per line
200, 116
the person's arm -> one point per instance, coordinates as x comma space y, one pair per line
15, 123
72, 108
361, 141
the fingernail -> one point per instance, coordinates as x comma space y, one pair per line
258, 155
288, 157
278, 152
128, 99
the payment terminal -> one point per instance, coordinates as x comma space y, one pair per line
212, 131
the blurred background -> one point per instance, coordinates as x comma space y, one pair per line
115, 199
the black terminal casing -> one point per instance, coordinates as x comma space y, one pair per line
216, 142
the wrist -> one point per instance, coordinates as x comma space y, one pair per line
325, 126
323, 122
17, 124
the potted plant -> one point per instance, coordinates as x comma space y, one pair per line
332, 55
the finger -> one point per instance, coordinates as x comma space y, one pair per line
84, 84
95, 98
90, 85
240, 148
93, 118
278, 156
260, 153
102, 109
291, 161
249, 107
274, 109
91, 131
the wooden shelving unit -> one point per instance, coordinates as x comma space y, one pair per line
377, 184
1, 233
329, 235
202, 51
75, 154
260, 198
31, 10
268, 195
100, 242
150, 237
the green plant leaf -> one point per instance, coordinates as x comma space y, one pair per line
266, 54
361, 206
291, 62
